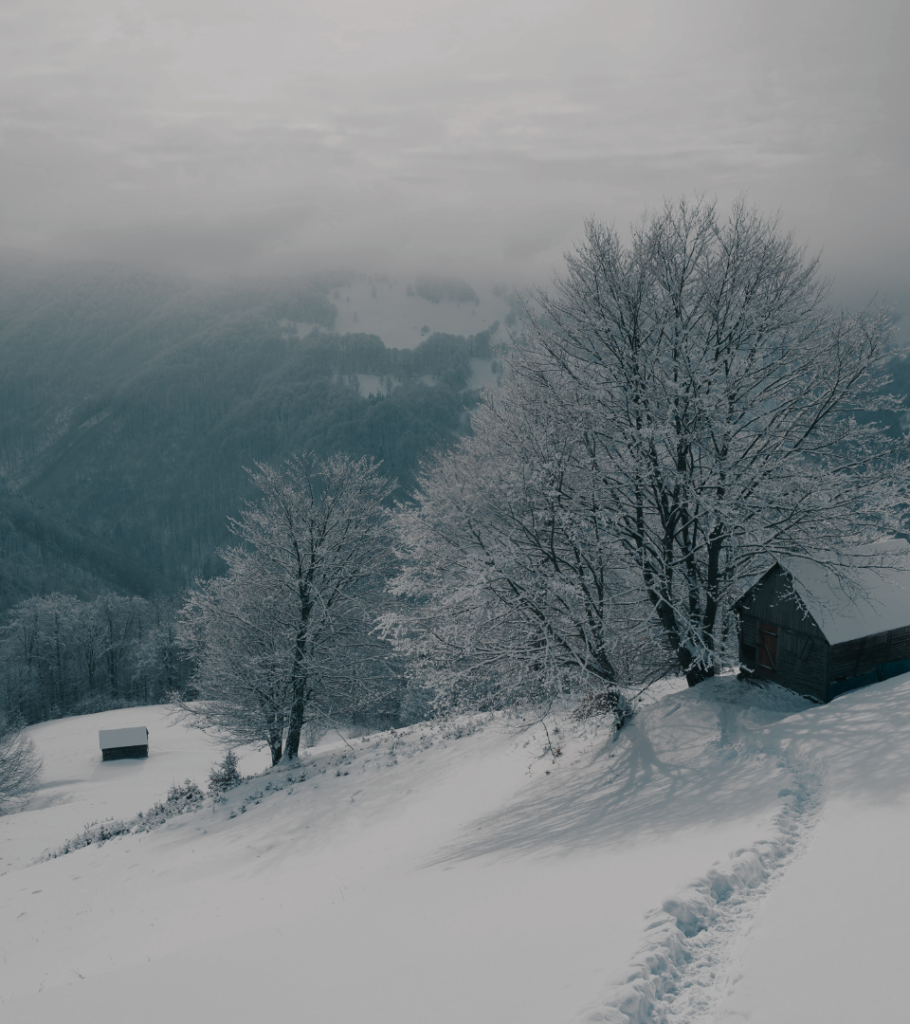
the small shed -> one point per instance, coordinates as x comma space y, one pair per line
821, 633
117, 743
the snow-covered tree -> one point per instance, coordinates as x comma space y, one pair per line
287, 632
512, 591
680, 411
61, 655
721, 404
121, 620
41, 662
20, 766
225, 775
160, 670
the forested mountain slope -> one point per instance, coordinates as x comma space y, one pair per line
130, 403
41, 553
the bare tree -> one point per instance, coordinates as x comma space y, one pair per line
513, 589
287, 632
20, 766
706, 382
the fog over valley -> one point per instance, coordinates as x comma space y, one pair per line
214, 139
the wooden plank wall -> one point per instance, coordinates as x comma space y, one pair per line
857, 657
802, 650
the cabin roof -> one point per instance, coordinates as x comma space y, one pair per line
868, 594
133, 736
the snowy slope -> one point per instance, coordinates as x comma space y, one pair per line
77, 787
832, 940
696, 868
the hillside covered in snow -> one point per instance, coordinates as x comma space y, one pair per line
733, 854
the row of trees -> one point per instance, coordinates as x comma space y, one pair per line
64, 656
679, 412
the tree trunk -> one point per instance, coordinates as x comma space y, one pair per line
275, 744
295, 721
694, 671
697, 674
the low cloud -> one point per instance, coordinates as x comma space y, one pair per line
213, 138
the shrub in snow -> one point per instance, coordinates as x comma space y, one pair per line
180, 798
225, 775
417, 702
456, 728
94, 832
20, 766
604, 704
313, 731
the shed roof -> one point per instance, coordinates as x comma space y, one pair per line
133, 736
868, 593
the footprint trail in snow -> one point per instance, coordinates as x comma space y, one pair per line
688, 960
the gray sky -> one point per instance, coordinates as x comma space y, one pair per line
468, 135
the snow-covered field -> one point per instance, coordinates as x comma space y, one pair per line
733, 855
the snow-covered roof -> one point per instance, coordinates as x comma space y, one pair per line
868, 592
136, 736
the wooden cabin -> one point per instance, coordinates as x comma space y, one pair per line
821, 633
118, 743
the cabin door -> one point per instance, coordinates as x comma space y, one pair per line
767, 646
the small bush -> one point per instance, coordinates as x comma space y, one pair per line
609, 703
225, 776
180, 798
93, 833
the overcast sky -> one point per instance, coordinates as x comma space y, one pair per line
469, 135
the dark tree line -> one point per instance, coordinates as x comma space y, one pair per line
64, 656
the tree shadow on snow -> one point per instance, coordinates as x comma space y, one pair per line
691, 761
